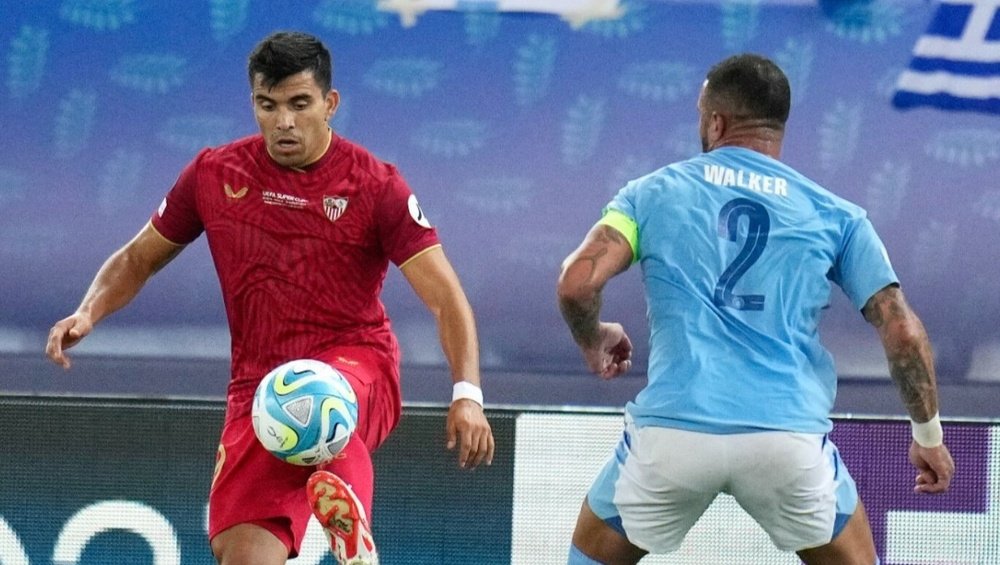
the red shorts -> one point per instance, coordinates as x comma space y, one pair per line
252, 486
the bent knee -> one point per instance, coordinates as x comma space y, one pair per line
599, 541
248, 544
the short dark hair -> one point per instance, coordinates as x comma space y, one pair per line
285, 53
750, 87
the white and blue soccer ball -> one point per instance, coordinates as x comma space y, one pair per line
304, 412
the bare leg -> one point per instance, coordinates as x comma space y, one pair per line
603, 543
853, 546
247, 544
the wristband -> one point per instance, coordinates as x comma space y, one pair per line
928, 434
465, 389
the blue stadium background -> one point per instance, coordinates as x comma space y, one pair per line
514, 130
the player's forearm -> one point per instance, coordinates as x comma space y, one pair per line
117, 282
582, 313
579, 293
603, 254
911, 365
908, 351
459, 341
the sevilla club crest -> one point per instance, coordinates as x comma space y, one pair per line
334, 206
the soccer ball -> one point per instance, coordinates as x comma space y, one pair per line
304, 412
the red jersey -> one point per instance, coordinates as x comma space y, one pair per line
301, 255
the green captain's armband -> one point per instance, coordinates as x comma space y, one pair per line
624, 225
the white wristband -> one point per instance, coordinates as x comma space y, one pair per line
928, 434
465, 389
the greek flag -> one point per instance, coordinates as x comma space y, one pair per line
956, 63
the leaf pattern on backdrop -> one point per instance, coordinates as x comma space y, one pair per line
867, 22
965, 147
152, 73
99, 15
796, 58
541, 250
629, 169
988, 205
887, 192
497, 195
933, 250
885, 86
682, 142
633, 21
405, 77
192, 133
581, 130
629, 121
533, 66
839, 134
658, 81
26, 61
740, 19
450, 138
481, 26
228, 18
120, 180
352, 18
74, 122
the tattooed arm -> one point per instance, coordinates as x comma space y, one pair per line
908, 350
603, 254
911, 364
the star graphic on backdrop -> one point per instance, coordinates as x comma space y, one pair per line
408, 10
591, 10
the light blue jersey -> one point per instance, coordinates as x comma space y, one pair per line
738, 252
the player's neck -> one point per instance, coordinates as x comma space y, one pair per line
760, 139
329, 139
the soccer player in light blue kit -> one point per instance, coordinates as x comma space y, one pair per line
738, 252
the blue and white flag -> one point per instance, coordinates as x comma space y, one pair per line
956, 63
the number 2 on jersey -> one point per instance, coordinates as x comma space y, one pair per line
758, 226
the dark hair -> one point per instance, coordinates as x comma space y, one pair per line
749, 87
285, 53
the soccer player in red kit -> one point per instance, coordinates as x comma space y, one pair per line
302, 225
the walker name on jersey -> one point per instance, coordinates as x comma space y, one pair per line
286, 200
724, 176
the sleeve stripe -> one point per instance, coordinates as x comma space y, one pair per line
165, 238
624, 225
418, 254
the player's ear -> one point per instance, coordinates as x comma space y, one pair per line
717, 125
332, 102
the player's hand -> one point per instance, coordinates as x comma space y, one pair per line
468, 430
611, 355
935, 468
65, 334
